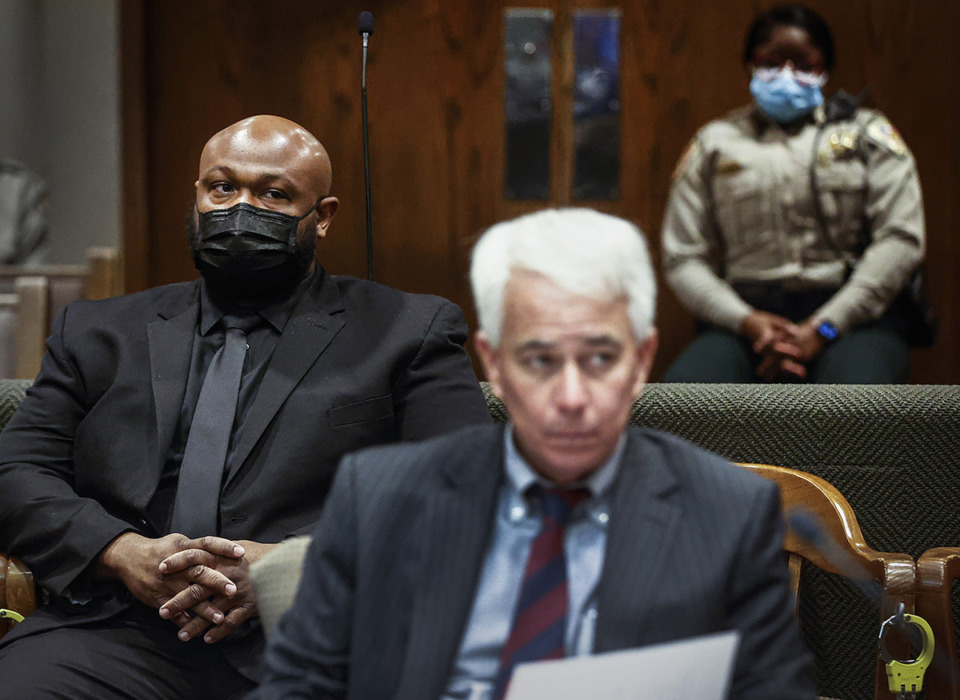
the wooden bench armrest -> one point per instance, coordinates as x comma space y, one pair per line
895, 572
937, 569
18, 591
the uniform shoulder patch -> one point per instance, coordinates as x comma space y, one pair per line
885, 135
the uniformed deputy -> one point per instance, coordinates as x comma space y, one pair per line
23, 221
793, 224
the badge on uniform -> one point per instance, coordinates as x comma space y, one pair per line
843, 145
884, 134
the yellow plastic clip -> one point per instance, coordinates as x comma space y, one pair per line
907, 676
10, 615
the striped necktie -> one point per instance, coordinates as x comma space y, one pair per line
540, 618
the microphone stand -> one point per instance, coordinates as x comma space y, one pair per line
366, 29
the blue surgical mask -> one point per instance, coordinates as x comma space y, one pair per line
786, 95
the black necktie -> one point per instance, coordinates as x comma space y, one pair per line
204, 457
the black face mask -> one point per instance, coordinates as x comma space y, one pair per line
246, 251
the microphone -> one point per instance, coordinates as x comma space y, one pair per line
365, 23
365, 29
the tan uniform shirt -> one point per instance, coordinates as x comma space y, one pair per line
741, 209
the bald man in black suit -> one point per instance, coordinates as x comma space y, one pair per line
91, 463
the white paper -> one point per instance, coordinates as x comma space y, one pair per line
692, 668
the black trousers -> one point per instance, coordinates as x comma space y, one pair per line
135, 656
875, 353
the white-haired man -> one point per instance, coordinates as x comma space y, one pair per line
440, 565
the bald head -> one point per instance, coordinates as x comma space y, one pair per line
271, 163
272, 144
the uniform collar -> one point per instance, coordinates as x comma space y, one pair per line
763, 121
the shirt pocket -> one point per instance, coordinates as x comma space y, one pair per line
843, 195
739, 203
377, 408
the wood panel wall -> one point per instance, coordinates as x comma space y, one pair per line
435, 81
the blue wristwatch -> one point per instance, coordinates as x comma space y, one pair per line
828, 331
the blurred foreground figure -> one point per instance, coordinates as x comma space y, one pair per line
438, 566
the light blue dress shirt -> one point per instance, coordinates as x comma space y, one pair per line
518, 523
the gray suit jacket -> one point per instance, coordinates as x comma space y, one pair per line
694, 547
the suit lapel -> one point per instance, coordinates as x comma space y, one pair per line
643, 521
170, 341
458, 523
310, 329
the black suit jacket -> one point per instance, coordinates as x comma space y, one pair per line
357, 364
694, 547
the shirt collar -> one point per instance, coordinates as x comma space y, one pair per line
763, 121
276, 314
520, 475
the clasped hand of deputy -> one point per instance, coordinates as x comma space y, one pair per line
785, 348
202, 585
